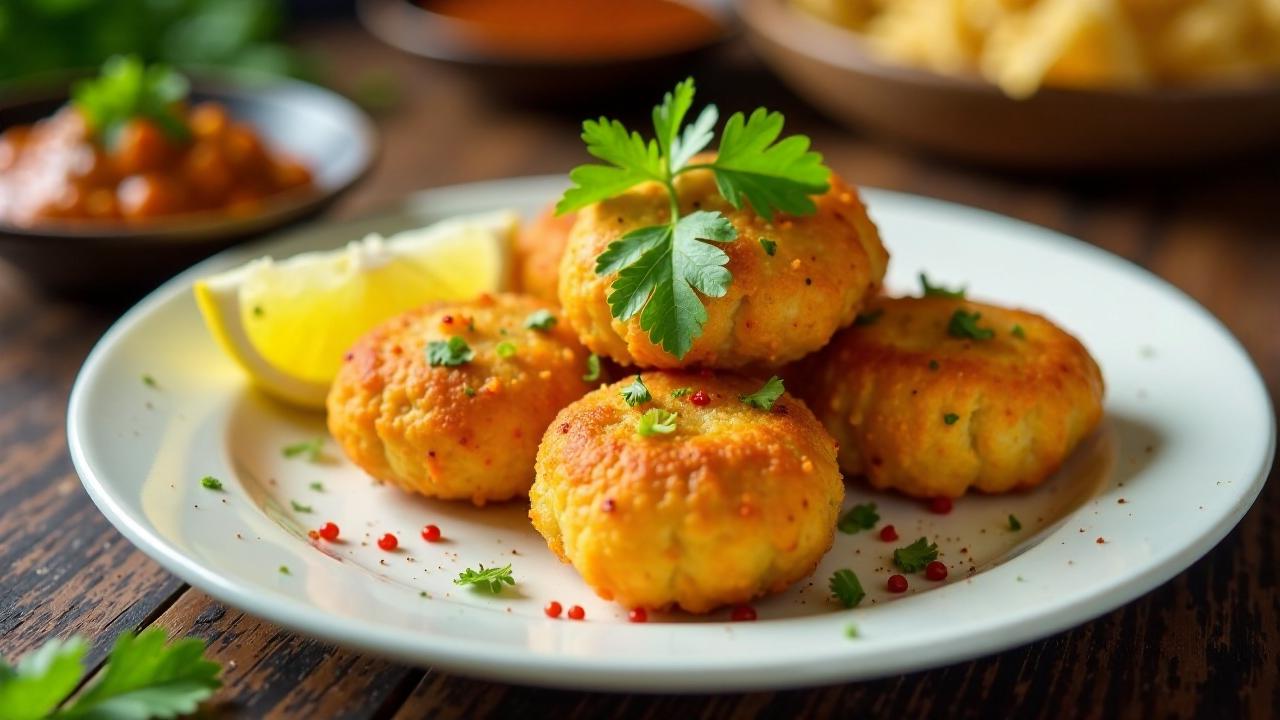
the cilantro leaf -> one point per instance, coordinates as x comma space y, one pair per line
681, 392
964, 324
771, 176
859, 517
593, 368
1018, 332
770, 247
636, 393
42, 679
505, 349
656, 422
950, 418
312, 448
127, 89
694, 138
1014, 524
299, 507
928, 290
449, 353
144, 678
210, 482
540, 320
489, 580
668, 116
846, 588
915, 556
766, 396
631, 162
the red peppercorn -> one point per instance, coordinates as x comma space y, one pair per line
638, 615
577, 613
552, 609
700, 398
940, 505
936, 570
897, 584
329, 531
431, 533
743, 613
388, 542
888, 533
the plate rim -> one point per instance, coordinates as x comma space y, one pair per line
587, 673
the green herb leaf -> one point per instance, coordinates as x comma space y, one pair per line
42, 679
128, 89
284, 570
631, 162
771, 176
950, 418
468, 391
144, 678
312, 449
317, 486
210, 482
770, 247
846, 588
928, 290
299, 507
149, 381
858, 518
851, 631
593, 368
766, 396
505, 349
681, 392
1014, 525
964, 324
540, 320
449, 353
636, 393
915, 556
871, 318
1018, 332
656, 421
489, 580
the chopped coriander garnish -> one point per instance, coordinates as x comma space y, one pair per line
915, 556
299, 507
258, 311
149, 381
933, 365
489, 580
284, 570
964, 324
422, 593
317, 486
928, 290
656, 421
127, 88
636, 393
865, 319
770, 247
540, 320
851, 631
593, 368
1018, 332
766, 396
950, 418
660, 270
449, 353
1014, 525
505, 349
311, 448
681, 392
468, 391
859, 517
210, 482
846, 588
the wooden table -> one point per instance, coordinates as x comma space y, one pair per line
1205, 644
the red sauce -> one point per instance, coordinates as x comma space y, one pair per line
579, 29
638, 615
936, 571
388, 542
888, 533
553, 609
897, 584
431, 533
329, 531
743, 613
577, 613
941, 505
700, 398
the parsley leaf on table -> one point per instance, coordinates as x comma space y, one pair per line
636, 393
915, 556
41, 680
766, 396
127, 88
846, 588
858, 518
928, 290
489, 580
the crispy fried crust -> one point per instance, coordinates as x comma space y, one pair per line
886, 390
738, 502
417, 426
538, 248
778, 308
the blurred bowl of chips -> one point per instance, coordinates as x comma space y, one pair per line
1077, 85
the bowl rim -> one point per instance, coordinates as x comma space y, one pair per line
400, 23
205, 225
782, 23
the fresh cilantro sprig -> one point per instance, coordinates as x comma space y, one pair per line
126, 89
858, 518
928, 289
766, 396
846, 588
449, 353
636, 393
489, 580
143, 678
964, 324
915, 556
662, 270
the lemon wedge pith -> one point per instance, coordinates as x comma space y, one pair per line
288, 323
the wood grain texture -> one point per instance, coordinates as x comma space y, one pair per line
1206, 644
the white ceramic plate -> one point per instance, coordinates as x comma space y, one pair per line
1185, 449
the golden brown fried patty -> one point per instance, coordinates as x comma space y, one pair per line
538, 248
469, 431
929, 414
736, 503
778, 308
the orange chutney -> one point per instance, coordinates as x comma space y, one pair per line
580, 29
55, 170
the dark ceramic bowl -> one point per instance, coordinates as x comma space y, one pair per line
966, 118
328, 133
407, 25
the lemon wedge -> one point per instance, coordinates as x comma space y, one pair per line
288, 323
